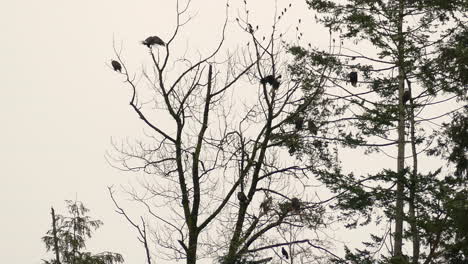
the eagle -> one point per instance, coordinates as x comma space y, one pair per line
406, 96
266, 204
353, 78
242, 198
295, 204
292, 149
285, 253
271, 80
312, 127
153, 40
299, 123
116, 65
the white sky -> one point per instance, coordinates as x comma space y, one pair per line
61, 104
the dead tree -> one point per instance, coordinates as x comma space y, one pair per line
208, 168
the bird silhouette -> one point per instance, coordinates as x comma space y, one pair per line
241, 196
285, 253
353, 78
312, 127
292, 149
265, 205
271, 80
295, 204
153, 40
406, 96
299, 123
116, 65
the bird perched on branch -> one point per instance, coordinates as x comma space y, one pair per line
241, 196
153, 40
353, 78
299, 123
285, 253
406, 96
116, 65
271, 80
312, 127
295, 204
292, 149
266, 204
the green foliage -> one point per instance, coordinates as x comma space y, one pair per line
457, 252
452, 143
443, 221
72, 232
361, 257
453, 60
427, 42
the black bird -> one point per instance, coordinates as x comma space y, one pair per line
153, 40
295, 204
241, 196
292, 149
271, 80
312, 127
285, 253
116, 65
299, 123
406, 96
265, 205
353, 78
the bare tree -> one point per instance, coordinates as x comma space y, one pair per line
222, 175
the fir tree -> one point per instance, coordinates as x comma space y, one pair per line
68, 236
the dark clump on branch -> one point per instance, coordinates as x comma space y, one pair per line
312, 127
153, 40
295, 204
285, 253
271, 80
353, 78
242, 198
406, 96
292, 150
266, 205
116, 65
292, 142
299, 123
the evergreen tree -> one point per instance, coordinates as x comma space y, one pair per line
420, 64
68, 236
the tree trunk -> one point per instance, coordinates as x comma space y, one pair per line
192, 248
54, 233
413, 184
399, 213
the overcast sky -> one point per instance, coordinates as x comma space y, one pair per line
61, 104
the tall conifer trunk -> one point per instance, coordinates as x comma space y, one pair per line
54, 233
399, 214
413, 184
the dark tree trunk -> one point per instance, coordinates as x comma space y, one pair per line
399, 213
413, 184
192, 248
54, 233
